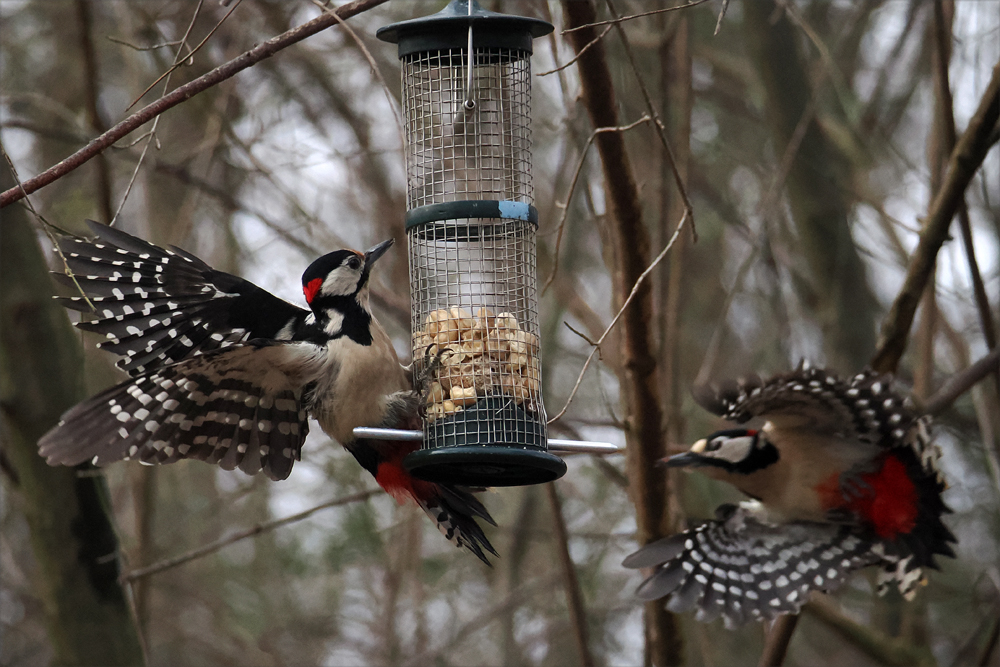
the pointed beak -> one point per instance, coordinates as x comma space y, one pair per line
373, 254
689, 459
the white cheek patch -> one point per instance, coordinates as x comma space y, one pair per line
340, 282
734, 450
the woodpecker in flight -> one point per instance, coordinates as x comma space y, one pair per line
225, 372
843, 475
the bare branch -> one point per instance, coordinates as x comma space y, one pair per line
187, 58
183, 93
776, 644
564, 205
516, 597
722, 15
621, 19
961, 382
635, 290
259, 528
574, 597
662, 131
965, 160
166, 84
578, 54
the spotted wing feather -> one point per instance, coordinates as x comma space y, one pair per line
745, 569
236, 407
158, 306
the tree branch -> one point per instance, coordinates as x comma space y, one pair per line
961, 382
574, 597
969, 153
639, 378
257, 529
778, 638
183, 93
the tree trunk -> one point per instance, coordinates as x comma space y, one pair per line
74, 543
639, 376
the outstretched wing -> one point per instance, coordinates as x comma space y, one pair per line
864, 408
158, 306
745, 569
238, 407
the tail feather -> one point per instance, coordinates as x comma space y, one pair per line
453, 511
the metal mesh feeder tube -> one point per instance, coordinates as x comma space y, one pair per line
471, 230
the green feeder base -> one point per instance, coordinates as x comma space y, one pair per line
485, 465
492, 443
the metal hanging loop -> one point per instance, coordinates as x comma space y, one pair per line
470, 63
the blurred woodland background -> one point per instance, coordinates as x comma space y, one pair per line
812, 137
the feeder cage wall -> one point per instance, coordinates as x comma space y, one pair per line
471, 230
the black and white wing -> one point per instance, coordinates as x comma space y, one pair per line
241, 406
158, 306
745, 569
863, 408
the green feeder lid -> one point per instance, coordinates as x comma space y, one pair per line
449, 29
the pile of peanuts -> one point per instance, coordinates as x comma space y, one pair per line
478, 356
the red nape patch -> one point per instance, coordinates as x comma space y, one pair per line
890, 504
310, 289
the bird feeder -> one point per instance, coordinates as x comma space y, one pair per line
471, 228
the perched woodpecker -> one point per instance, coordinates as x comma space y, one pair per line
843, 475
225, 372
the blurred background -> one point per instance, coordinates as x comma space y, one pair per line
809, 135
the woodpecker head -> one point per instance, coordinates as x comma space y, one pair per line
339, 276
727, 453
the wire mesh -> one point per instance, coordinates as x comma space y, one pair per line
473, 285
475, 331
454, 153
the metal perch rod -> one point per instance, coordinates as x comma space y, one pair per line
581, 446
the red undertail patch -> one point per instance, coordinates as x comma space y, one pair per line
400, 484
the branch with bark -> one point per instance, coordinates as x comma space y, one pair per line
969, 153
183, 93
640, 376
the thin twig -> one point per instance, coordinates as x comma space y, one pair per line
693, 3
156, 122
516, 597
714, 343
574, 598
722, 15
661, 129
49, 229
578, 53
136, 47
635, 290
942, 42
564, 205
770, 198
375, 70
187, 58
182, 94
961, 382
965, 160
264, 527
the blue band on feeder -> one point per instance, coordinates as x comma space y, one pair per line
473, 208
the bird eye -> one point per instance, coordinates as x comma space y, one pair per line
354, 263
713, 445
